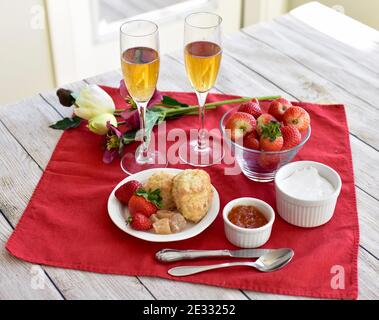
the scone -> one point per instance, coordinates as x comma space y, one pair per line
163, 182
192, 193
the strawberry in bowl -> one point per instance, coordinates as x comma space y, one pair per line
281, 130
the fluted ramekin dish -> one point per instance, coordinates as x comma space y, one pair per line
306, 213
248, 238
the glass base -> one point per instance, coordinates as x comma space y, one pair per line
191, 154
131, 165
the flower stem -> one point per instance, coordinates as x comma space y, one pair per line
177, 111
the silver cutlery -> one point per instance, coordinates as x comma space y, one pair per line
269, 262
171, 255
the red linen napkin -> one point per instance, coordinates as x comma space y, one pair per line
66, 223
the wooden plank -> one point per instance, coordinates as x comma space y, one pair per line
322, 40
19, 280
165, 289
366, 169
368, 221
368, 276
19, 175
28, 121
340, 27
328, 65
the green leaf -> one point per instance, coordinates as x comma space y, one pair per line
152, 196
67, 123
168, 101
271, 130
129, 137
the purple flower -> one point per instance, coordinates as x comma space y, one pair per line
113, 144
131, 116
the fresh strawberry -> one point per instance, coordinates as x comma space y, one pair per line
240, 124
278, 107
297, 117
140, 222
251, 141
291, 136
263, 120
271, 138
251, 107
145, 202
268, 161
125, 192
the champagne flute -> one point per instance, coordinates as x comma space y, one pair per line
202, 56
139, 42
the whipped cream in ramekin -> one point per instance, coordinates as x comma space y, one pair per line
307, 184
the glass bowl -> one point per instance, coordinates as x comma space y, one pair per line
260, 166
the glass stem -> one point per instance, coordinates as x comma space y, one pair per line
143, 153
201, 98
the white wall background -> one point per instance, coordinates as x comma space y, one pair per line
25, 59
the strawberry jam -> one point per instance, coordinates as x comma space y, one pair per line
248, 217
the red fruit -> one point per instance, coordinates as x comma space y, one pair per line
278, 107
251, 141
263, 120
291, 136
140, 222
240, 124
125, 192
269, 162
141, 205
271, 138
297, 117
251, 107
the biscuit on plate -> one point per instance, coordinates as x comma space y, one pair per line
192, 193
163, 182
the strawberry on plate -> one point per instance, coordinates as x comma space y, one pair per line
251, 107
291, 137
271, 138
140, 222
240, 124
278, 107
145, 202
263, 120
125, 192
297, 117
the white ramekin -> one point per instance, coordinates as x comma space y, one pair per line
248, 238
306, 213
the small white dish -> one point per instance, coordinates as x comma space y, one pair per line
118, 212
248, 238
306, 213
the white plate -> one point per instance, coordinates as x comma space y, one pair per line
118, 212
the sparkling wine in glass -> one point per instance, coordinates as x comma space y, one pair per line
139, 41
202, 57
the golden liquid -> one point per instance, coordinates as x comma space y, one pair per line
140, 67
202, 59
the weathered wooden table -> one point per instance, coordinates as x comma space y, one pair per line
311, 54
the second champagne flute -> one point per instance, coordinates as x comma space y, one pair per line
202, 57
140, 67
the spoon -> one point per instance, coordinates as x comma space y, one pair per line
268, 262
